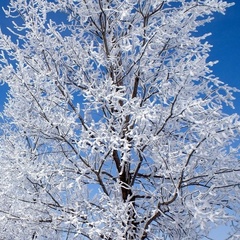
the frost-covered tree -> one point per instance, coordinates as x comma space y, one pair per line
114, 126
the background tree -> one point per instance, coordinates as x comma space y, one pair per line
114, 127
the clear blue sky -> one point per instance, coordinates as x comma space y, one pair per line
226, 48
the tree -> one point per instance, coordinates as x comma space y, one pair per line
114, 126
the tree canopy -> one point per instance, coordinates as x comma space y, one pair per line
114, 126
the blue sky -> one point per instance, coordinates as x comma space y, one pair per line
225, 39
226, 47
